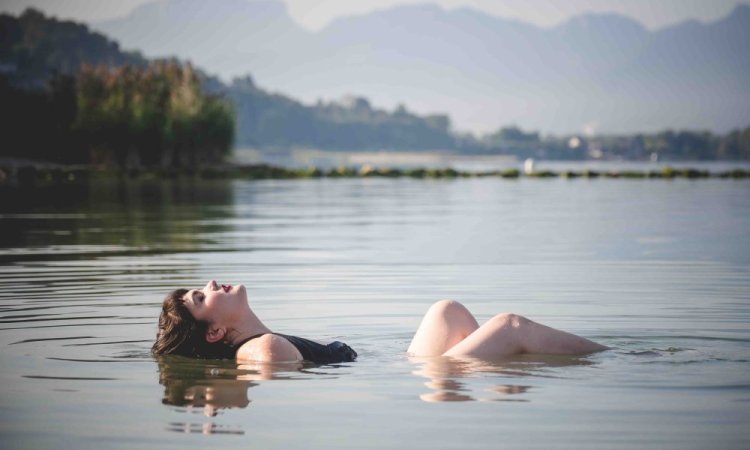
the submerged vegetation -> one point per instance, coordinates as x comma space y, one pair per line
51, 175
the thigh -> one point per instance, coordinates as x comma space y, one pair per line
496, 338
445, 324
510, 334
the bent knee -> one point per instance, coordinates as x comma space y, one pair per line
508, 320
447, 308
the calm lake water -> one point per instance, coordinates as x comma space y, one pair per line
658, 270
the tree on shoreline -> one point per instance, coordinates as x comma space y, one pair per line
127, 117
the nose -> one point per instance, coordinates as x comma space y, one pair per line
212, 286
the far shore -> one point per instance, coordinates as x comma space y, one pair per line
25, 173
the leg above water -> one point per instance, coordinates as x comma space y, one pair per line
510, 334
445, 324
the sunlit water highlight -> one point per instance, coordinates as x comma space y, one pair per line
659, 270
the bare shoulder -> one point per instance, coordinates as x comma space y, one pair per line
269, 348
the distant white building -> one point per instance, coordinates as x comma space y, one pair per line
528, 166
574, 142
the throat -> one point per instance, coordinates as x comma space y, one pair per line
237, 338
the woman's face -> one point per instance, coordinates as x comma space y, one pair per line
214, 303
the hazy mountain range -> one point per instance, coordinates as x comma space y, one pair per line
44, 95
600, 71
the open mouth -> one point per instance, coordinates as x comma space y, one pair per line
226, 287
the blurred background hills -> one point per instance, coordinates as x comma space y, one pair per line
600, 72
407, 78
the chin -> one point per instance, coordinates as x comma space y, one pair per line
241, 291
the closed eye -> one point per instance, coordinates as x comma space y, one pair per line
198, 296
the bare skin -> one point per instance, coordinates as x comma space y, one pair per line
230, 319
449, 329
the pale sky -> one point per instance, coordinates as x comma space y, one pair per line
315, 14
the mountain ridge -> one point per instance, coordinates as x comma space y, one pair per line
600, 70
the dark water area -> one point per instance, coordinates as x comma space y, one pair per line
659, 270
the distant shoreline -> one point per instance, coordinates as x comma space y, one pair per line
22, 173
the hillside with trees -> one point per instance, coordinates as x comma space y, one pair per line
273, 121
70, 95
34, 47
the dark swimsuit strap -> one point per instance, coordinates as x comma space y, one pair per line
243, 342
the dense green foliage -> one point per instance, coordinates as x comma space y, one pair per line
153, 116
37, 124
127, 116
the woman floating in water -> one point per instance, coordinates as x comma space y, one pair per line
217, 322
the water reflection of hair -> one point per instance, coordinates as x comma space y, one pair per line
190, 382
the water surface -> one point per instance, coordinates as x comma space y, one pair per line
659, 270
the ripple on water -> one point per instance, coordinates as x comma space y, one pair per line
361, 260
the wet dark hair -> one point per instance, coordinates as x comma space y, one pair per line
181, 334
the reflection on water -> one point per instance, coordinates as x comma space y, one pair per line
658, 270
202, 428
446, 375
210, 386
216, 383
118, 217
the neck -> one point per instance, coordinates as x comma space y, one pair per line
247, 326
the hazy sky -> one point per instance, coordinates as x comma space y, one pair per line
314, 14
